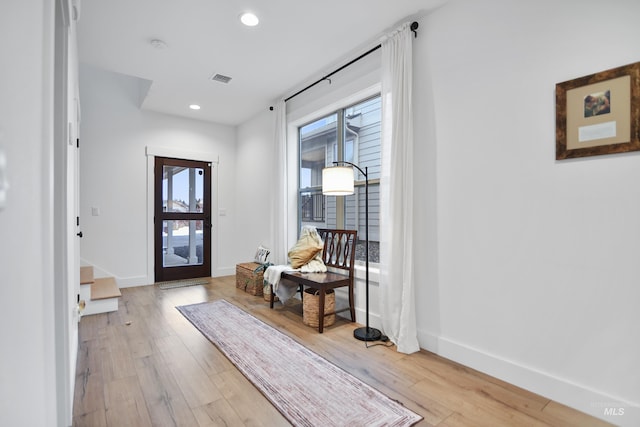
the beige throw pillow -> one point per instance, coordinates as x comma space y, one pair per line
304, 250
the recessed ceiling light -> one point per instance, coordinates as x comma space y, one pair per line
194, 106
249, 19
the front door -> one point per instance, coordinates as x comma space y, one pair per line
182, 222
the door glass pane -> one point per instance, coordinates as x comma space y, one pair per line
182, 189
182, 243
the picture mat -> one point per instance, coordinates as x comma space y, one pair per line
620, 112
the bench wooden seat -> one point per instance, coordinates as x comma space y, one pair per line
338, 255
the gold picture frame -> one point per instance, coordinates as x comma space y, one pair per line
599, 114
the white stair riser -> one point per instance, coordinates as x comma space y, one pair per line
96, 306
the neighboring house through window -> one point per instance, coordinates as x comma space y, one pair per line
351, 134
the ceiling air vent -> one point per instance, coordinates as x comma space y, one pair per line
220, 78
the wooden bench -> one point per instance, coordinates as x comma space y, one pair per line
338, 255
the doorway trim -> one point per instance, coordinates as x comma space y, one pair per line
155, 151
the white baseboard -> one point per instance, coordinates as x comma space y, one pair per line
123, 282
143, 280
600, 405
129, 282
224, 271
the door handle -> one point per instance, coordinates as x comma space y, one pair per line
207, 221
79, 234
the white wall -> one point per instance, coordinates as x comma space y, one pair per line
255, 183
528, 267
528, 264
27, 320
537, 277
113, 176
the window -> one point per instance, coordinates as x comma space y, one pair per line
351, 134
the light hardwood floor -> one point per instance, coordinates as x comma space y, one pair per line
146, 365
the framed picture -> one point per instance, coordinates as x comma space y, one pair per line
599, 114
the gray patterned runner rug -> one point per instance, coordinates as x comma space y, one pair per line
306, 388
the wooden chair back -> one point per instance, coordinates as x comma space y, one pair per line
339, 248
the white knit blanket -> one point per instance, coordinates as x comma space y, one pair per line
272, 277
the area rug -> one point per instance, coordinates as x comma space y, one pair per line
307, 389
182, 283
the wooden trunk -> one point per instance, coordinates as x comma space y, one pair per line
248, 280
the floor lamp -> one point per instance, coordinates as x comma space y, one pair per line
339, 181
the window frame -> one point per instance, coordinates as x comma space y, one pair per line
338, 109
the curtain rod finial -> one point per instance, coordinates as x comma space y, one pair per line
414, 27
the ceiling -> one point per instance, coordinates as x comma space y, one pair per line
296, 43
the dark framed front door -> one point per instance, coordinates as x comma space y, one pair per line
182, 219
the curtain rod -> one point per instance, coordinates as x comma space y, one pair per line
414, 27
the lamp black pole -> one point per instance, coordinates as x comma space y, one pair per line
367, 333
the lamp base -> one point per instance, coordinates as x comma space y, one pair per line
367, 334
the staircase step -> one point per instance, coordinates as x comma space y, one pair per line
86, 275
104, 288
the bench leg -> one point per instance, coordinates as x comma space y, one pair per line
321, 310
352, 307
271, 297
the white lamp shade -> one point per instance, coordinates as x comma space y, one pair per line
337, 181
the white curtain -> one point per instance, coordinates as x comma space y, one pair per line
397, 193
279, 200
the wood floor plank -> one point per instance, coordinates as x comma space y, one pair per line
140, 337
206, 355
166, 404
462, 378
89, 392
125, 403
91, 419
483, 409
458, 420
147, 365
89, 382
117, 359
250, 405
215, 414
197, 388
570, 418
92, 327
